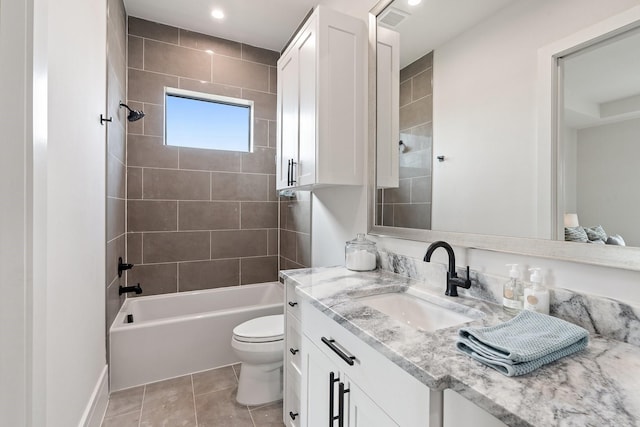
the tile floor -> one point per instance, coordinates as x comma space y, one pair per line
205, 399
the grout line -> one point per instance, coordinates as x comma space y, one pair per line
144, 394
193, 395
177, 277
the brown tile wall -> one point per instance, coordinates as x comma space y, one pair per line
409, 205
295, 230
199, 219
116, 155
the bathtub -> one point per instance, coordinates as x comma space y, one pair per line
178, 334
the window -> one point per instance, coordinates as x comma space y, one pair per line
200, 120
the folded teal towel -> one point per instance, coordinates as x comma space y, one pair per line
522, 344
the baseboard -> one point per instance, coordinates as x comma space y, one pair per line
97, 406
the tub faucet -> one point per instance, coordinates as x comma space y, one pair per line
126, 289
453, 281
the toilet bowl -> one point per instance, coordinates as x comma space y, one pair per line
259, 344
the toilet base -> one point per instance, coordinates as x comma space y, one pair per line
259, 384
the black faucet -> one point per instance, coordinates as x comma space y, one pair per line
453, 281
126, 289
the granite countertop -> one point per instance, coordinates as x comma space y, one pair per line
595, 387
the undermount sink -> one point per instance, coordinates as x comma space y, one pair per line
421, 310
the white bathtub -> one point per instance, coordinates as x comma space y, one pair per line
178, 334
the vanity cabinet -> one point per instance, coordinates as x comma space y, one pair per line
320, 103
380, 394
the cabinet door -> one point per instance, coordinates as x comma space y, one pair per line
388, 108
459, 411
308, 66
287, 130
319, 384
362, 411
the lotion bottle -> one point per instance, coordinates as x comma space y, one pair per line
536, 296
512, 292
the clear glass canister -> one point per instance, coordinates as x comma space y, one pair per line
360, 254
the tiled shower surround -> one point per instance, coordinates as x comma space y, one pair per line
199, 219
409, 205
116, 154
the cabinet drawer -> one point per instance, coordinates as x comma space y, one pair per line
292, 303
292, 410
294, 343
400, 395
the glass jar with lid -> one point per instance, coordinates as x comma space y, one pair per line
360, 254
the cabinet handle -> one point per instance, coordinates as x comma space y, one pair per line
330, 343
292, 303
293, 351
288, 172
292, 415
291, 174
342, 391
332, 380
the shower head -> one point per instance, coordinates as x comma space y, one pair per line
134, 115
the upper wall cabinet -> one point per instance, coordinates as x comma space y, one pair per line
321, 114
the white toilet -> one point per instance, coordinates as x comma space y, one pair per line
259, 344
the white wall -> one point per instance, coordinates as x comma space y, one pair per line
338, 213
607, 169
554, 20
14, 250
484, 115
53, 189
75, 207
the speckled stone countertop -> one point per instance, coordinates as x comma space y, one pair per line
599, 386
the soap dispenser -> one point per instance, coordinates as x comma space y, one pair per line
536, 296
512, 292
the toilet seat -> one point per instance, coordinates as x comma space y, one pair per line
260, 329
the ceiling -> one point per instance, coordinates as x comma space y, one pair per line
263, 23
430, 24
602, 83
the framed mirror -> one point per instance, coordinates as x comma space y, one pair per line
465, 125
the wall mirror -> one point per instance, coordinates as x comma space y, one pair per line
468, 133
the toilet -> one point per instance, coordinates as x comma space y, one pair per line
259, 344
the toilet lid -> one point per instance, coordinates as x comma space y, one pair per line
261, 329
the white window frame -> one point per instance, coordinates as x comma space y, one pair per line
201, 96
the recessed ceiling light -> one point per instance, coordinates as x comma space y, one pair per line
209, 51
219, 14
414, 2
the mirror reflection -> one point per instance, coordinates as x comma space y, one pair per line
457, 149
600, 137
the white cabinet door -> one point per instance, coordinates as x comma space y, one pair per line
388, 111
362, 411
287, 133
459, 411
307, 54
331, 398
319, 384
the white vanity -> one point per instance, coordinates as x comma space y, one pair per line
353, 365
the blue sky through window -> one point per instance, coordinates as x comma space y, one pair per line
207, 124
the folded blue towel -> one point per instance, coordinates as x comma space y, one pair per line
522, 344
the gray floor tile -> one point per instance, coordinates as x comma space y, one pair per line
213, 380
125, 401
127, 420
169, 403
219, 408
176, 411
268, 416
166, 391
